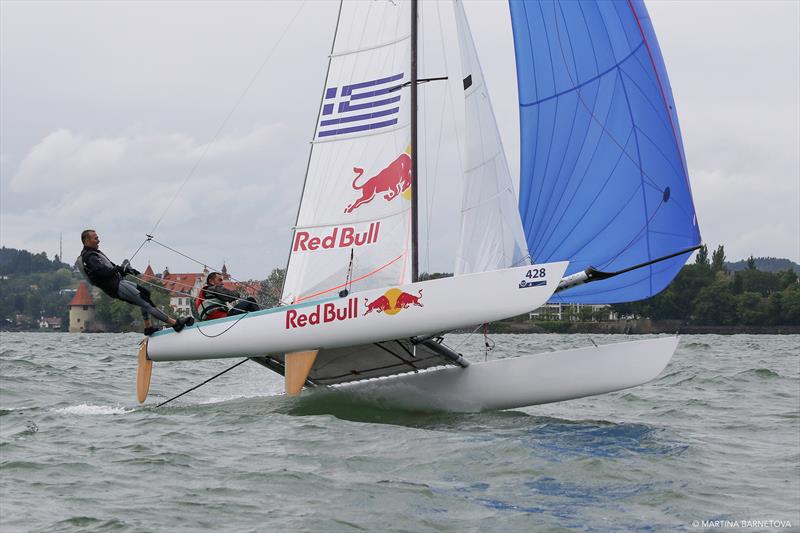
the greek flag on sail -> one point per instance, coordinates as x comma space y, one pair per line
367, 105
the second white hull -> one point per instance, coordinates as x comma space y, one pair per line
522, 381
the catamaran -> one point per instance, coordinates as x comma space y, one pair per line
604, 215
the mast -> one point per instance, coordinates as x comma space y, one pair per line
414, 151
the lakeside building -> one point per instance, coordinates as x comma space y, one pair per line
573, 312
50, 322
183, 287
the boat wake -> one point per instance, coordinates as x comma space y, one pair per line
232, 397
85, 409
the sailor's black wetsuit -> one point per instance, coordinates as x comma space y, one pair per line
103, 273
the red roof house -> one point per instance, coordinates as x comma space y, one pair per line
181, 284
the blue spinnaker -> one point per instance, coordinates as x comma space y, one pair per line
603, 179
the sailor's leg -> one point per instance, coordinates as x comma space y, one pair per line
145, 294
244, 306
130, 293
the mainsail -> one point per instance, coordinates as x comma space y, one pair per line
603, 179
354, 218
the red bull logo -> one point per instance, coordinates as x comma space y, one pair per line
393, 301
322, 314
393, 180
338, 237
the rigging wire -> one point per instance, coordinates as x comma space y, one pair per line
488, 343
467, 338
201, 263
224, 331
222, 126
203, 383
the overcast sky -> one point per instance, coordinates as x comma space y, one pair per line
107, 107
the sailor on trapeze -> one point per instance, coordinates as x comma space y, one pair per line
102, 273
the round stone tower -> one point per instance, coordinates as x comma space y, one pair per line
81, 310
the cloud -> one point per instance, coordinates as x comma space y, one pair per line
65, 160
729, 216
233, 199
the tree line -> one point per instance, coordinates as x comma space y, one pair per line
707, 293
33, 285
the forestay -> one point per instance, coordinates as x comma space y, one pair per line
356, 197
603, 174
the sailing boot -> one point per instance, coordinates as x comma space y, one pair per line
182, 323
149, 331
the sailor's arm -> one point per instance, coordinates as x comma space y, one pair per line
226, 295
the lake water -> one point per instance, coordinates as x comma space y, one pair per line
712, 445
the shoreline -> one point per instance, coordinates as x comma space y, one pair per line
640, 327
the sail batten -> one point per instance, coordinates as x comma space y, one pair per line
373, 47
603, 180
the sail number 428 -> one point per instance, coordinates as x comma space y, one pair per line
535, 273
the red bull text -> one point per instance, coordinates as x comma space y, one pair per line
339, 237
392, 180
322, 314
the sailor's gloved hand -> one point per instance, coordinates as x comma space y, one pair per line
126, 268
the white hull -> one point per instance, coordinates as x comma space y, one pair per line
431, 307
522, 381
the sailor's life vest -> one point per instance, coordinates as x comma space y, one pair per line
211, 307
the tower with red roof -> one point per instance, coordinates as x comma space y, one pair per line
81, 310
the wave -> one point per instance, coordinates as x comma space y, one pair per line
764, 373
